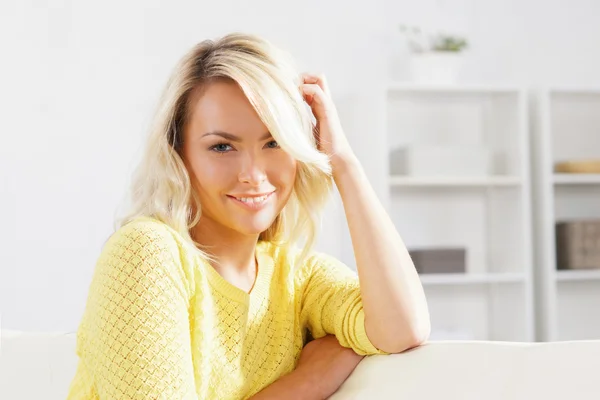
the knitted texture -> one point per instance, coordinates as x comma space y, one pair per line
161, 323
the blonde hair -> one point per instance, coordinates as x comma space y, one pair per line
161, 187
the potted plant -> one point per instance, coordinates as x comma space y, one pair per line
435, 58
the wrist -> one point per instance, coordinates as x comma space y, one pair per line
342, 164
307, 383
300, 384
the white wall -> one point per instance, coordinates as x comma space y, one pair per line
79, 79
78, 82
528, 42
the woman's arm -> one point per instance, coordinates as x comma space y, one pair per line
396, 312
323, 366
135, 336
293, 386
330, 297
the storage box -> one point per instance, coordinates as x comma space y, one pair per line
434, 160
578, 167
578, 244
439, 260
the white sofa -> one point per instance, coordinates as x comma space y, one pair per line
40, 366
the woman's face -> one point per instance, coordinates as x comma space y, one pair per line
242, 176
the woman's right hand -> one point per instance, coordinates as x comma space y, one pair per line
326, 365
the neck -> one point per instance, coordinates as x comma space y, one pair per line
234, 252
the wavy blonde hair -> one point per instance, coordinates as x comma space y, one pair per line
161, 187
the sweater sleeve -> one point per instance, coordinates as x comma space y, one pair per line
134, 338
331, 303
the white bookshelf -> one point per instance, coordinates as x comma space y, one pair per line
488, 214
566, 126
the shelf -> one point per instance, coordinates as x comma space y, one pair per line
470, 279
577, 179
400, 180
453, 89
574, 90
577, 275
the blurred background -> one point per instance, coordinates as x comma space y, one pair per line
477, 122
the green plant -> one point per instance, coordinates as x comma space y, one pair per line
450, 43
421, 42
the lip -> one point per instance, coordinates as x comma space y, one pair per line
253, 206
250, 195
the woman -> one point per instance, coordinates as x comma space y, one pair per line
209, 288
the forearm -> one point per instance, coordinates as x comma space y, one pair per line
293, 386
396, 312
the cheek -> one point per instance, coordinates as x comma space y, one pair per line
286, 171
211, 176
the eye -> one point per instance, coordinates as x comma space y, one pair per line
220, 147
272, 144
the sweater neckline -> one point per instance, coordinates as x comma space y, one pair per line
261, 284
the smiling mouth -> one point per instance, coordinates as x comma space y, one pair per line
252, 202
252, 199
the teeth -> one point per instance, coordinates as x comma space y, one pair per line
252, 199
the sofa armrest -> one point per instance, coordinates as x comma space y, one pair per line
475, 370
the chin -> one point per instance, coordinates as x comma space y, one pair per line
250, 232
253, 227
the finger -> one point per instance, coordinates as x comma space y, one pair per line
317, 99
318, 79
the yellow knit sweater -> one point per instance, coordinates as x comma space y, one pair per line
161, 323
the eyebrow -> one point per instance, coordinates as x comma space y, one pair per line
233, 137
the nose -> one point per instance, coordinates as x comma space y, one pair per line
252, 171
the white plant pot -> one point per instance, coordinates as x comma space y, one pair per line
439, 67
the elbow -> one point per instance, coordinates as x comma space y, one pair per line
403, 338
419, 336
410, 341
